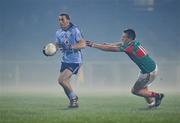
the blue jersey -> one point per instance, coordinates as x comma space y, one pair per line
68, 37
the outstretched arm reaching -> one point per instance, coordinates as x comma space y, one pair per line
104, 47
119, 43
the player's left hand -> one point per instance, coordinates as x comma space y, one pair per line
67, 47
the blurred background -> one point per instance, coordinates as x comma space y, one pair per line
27, 25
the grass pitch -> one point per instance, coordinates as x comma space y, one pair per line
51, 108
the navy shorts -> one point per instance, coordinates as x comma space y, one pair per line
73, 67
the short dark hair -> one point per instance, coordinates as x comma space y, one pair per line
66, 15
131, 33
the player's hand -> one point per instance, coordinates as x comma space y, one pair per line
67, 47
90, 43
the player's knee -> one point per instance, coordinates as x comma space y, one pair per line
132, 90
60, 81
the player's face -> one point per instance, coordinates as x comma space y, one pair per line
63, 21
125, 37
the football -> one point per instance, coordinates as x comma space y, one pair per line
50, 49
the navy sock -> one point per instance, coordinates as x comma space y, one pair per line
72, 95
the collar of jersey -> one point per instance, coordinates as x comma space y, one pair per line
70, 25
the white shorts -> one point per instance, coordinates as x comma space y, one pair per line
145, 80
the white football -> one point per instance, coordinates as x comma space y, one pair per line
50, 49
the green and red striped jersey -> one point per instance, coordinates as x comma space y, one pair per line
139, 56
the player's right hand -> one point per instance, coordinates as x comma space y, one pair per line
89, 43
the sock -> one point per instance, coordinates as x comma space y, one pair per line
72, 95
154, 94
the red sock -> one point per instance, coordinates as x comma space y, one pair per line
154, 94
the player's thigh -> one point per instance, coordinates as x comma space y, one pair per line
144, 80
65, 75
153, 75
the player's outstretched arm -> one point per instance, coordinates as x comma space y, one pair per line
118, 43
104, 47
80, 45
110, 48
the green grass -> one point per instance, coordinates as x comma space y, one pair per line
51, 108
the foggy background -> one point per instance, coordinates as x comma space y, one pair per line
27, 25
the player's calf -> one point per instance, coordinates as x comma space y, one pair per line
135, 92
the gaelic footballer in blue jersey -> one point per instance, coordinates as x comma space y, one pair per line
138, 54
70, 40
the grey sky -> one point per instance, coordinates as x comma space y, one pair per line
27, 25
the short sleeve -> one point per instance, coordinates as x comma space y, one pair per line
121, 49
56, 38
78, 35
